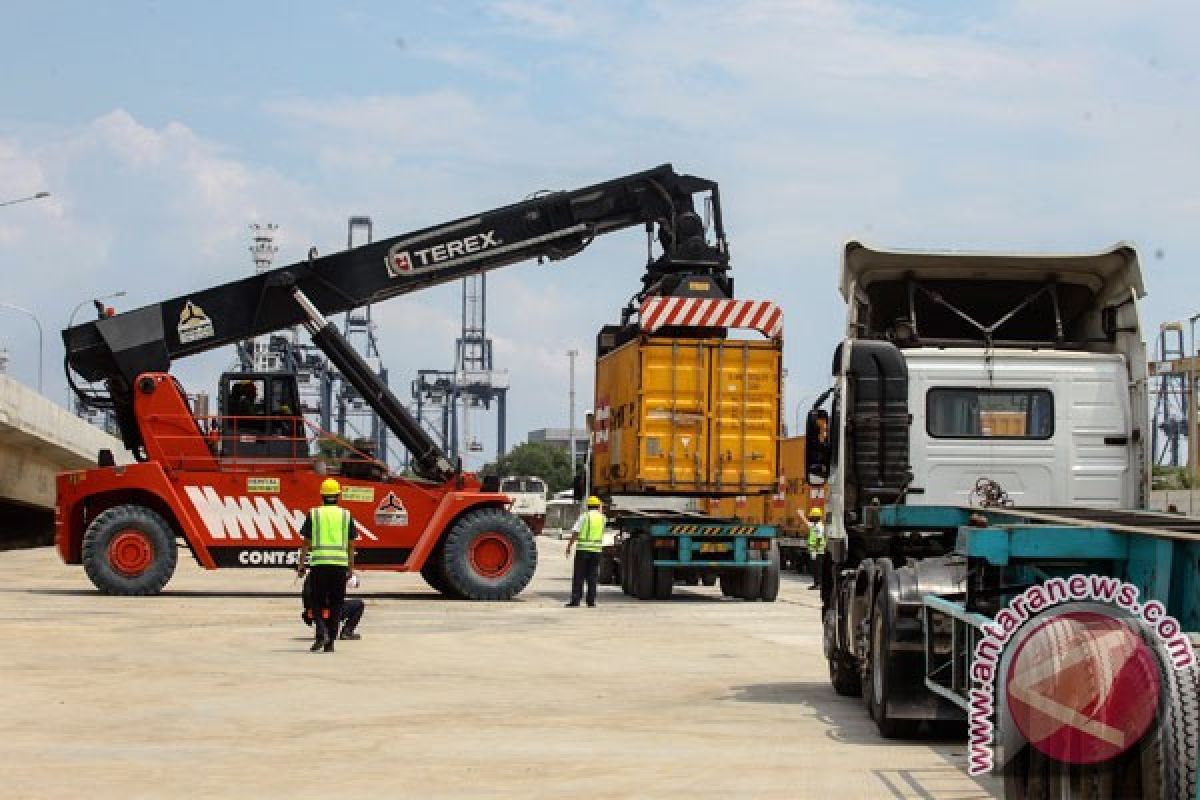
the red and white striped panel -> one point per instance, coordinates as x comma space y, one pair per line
709, 312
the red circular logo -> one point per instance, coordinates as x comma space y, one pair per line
1082, 687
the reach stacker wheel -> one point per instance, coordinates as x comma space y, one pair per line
489, 554
129, 550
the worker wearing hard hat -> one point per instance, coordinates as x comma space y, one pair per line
352, 609
588, 538
816, 545
328, 535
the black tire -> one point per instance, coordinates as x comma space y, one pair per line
708, 579
607, 570
626, 568
497, 530
769, 589
1162, 765
881, 673
643, 567
140, 538
751, 582
664, 583
843, 674
731, 583
434, 572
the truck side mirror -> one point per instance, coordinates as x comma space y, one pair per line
818, 447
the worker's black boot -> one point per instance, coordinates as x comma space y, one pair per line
350, 636
317, 644
329, 645
573, 604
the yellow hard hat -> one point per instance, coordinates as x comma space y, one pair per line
814, 513
593, 502
330, 488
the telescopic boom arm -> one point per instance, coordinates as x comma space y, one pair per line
553, 226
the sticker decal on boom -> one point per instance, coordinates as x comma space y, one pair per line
194, 324
401, 261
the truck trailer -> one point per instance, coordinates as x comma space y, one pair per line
688, 408
985, 436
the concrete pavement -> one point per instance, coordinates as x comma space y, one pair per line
209, 691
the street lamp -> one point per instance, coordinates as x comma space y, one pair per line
75, 310
82, 303
571, 354
37, 196
38, 323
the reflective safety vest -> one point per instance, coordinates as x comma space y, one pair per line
816, 539
330, 545
591, 533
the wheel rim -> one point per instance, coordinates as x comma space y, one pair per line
491, 555
130, 553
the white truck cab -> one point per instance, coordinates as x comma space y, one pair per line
969, 379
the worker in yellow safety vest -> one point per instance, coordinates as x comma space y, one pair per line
327, 535
588, 538
816, 545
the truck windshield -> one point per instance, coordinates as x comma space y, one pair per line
957, 413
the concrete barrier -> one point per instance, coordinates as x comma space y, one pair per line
38, 440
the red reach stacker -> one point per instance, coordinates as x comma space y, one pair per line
234, 487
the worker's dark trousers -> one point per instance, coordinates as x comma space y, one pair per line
587, 566
352, 610
328, 594
818, 564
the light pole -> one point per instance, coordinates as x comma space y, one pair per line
37, 196
571, 354
38, 323
75, 310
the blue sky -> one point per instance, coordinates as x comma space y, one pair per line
164, 129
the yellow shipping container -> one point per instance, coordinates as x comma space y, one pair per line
789, 510
687, 417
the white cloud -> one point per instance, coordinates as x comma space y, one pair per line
550, 19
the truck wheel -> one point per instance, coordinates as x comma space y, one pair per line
626, 569
664, 583
1162, 765
770, 575
881, 674
752, 578
606, 571
129, 550
489, 554
643, 569
731, 583
844, 676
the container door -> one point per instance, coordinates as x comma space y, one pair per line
745, 425
674, 401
